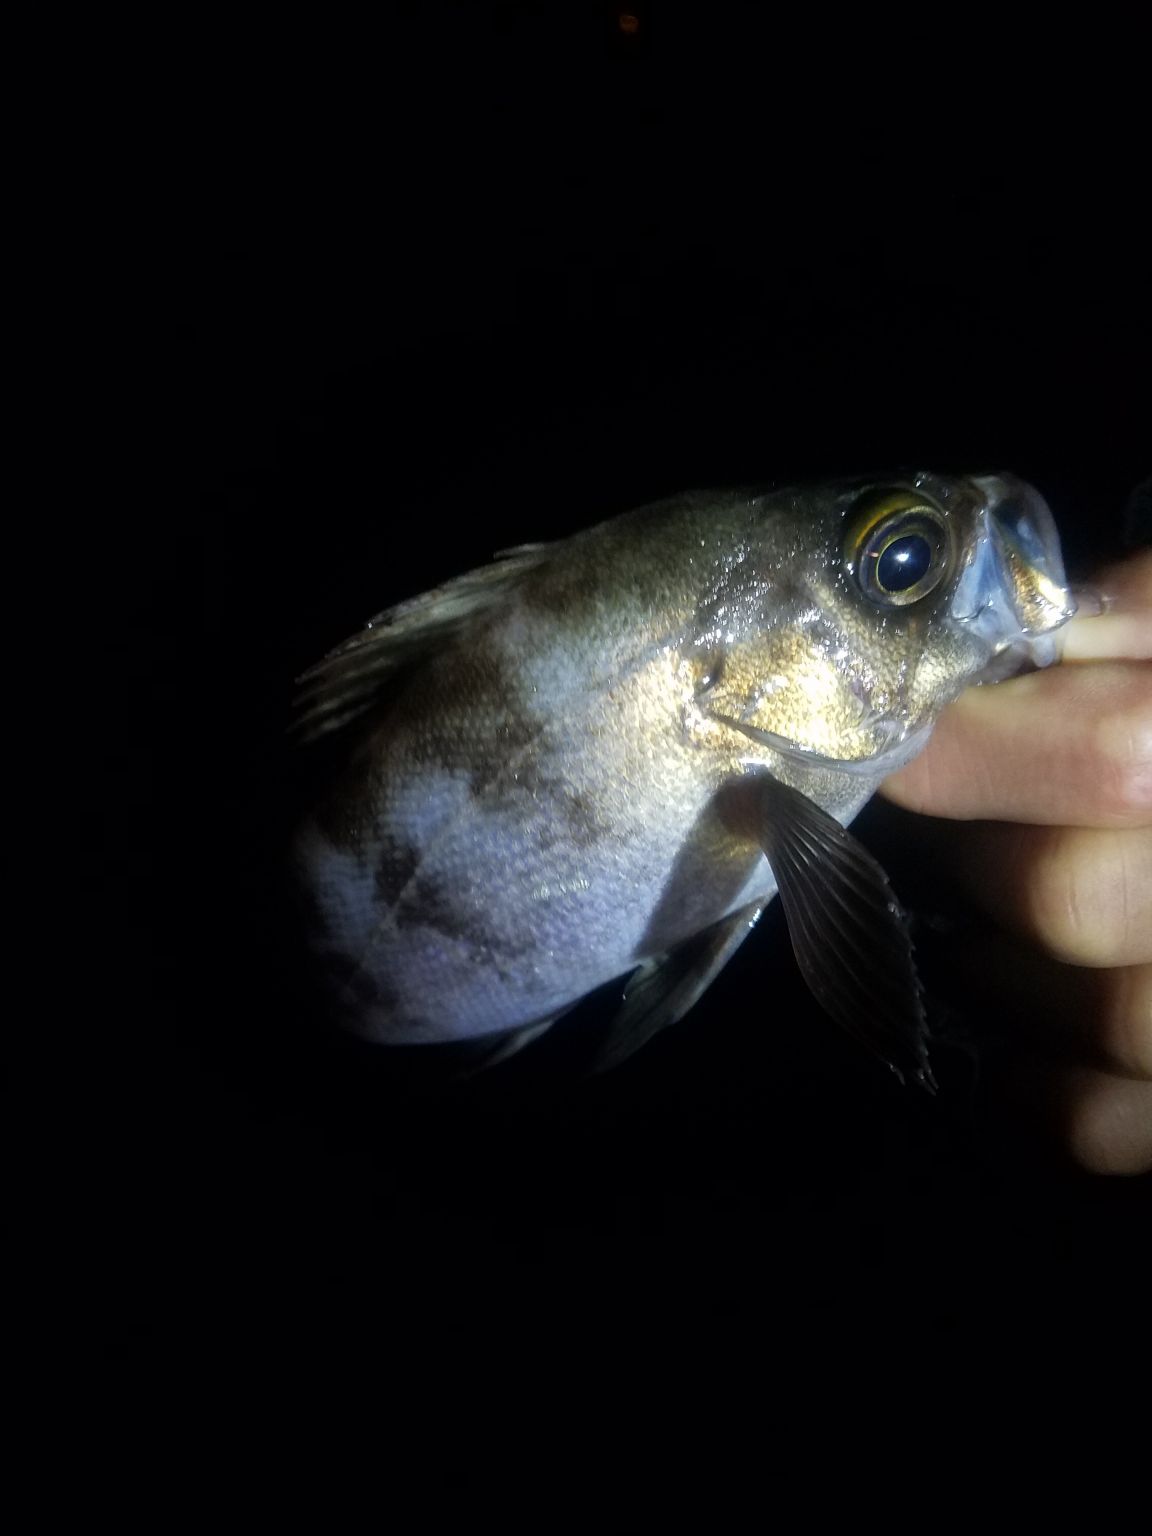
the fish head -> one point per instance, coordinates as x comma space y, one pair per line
851, 614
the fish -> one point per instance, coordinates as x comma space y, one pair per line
598, 759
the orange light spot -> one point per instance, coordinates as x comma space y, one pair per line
627, 22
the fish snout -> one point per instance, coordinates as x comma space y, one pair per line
1014, 590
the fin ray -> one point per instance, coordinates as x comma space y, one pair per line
349, 681
849, 933
662, 990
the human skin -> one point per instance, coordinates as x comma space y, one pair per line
1043, 787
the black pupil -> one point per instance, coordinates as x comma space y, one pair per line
904, 563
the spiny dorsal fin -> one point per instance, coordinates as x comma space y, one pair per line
350, 679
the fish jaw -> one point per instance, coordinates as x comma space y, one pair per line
1014, 594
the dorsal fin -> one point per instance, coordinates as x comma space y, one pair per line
350, 679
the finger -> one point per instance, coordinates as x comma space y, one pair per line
1109, 636
1107, 1121
1084, 896
1071, 746
1103, 1018
1123, 627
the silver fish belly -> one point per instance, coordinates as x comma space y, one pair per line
602, 757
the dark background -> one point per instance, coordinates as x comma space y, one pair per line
485, 276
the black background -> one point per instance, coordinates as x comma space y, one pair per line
484, 276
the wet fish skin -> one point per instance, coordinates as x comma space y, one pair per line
558, 767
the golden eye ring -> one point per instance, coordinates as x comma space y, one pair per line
898, 547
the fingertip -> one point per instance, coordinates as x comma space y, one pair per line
1108, 637
1107, 1122
1126, 587
1114, 615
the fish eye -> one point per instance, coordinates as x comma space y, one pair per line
898, 547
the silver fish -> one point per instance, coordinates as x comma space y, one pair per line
602, 757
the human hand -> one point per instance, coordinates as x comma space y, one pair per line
1046, 786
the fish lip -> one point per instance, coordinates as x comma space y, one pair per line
1013, 592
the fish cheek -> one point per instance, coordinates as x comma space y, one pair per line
792, 689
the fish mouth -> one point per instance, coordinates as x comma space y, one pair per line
1013, 593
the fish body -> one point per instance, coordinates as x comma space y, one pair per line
594, 758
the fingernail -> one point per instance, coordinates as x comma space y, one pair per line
1090, 602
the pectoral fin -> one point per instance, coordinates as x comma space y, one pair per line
848, 930
663, 989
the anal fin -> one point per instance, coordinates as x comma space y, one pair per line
663, 989
509, 1045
